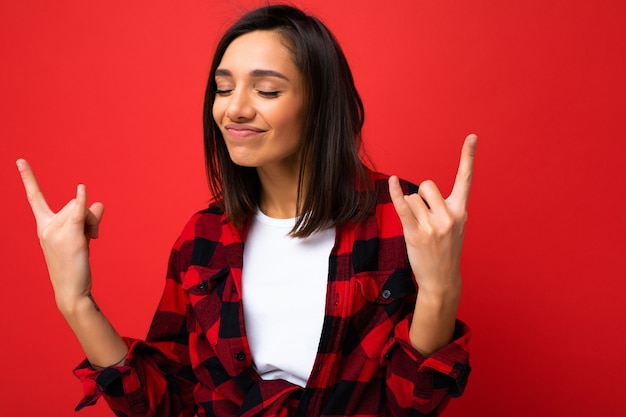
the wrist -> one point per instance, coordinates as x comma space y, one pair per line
437, 306
432, 326
74, 306
440, 294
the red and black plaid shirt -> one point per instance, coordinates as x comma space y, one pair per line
196, 359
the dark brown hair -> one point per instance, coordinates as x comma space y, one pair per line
338, 187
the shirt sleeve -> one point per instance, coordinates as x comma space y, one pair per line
414, 382
157, 378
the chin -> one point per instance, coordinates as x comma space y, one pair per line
243, 162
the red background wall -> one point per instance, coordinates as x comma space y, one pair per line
110, 94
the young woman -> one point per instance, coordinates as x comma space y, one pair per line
295, 293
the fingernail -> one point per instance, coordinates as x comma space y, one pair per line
20, 164
80, 189
393, 181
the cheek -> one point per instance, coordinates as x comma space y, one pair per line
296, 121
217, 110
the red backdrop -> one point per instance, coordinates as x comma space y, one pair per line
110, 94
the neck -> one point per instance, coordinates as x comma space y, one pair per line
279, 192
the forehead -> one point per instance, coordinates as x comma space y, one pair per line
258, 50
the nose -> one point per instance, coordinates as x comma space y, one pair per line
239, 106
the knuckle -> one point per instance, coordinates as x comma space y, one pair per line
31, 196
402, 208
50, 238
427, 184
447, 224
411, 200
427, 229
77, 217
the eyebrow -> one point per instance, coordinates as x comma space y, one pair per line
257, 73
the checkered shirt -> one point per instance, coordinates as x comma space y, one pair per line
196, 359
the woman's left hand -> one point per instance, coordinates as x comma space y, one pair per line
433, 230
434, 226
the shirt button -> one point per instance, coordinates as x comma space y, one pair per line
386, 294
240, 356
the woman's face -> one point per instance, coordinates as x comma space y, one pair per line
259, 104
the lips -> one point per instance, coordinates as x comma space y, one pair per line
242, 131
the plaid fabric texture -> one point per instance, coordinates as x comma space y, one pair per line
196, 359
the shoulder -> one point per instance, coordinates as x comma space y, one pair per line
383, 213
380, 183
208, 236
206, 224
378, 240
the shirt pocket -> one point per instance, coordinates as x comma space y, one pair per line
382, 299
205, 287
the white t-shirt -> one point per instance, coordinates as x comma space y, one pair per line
284, 296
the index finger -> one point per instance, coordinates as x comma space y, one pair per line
463, 181
33, 193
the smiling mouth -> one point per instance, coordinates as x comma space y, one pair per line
242, 131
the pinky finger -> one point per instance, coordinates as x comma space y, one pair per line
401, 203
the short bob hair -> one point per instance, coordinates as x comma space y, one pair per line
338, 186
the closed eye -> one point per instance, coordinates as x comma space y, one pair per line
268, 94
223, 92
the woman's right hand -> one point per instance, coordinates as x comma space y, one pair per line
64, 237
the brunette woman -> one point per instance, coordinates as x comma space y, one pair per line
311, 286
